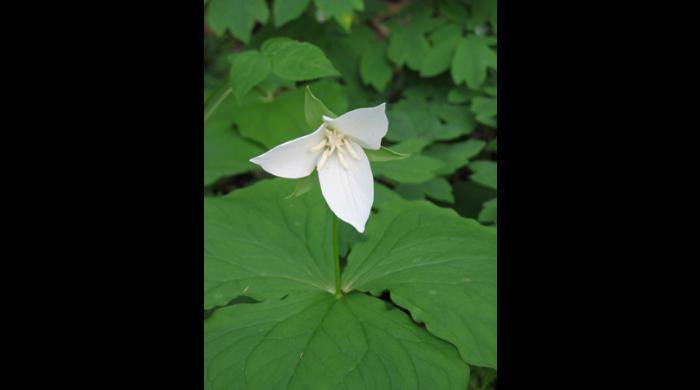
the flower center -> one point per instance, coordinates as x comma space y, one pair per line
334, 142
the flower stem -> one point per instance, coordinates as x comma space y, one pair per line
336, 257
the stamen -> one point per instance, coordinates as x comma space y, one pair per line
320, 145
351, 149
342, 161
323, 159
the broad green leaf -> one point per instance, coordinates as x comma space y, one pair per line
248, 69
438, 189
374, 68
383, 195
488, 213
303, 185
238, 16
225, 151
472, 58
456, 155
384, 154
283, 119
486, 110
298, 61
485, 173
414, 169
314, 109
312, 341
287, 10
259, 244
439, 266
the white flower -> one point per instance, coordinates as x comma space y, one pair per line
335, 150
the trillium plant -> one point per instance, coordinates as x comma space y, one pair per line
336, 151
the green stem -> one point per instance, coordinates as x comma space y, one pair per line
336, 257
216, 103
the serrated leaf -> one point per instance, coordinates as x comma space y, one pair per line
438, 189
287, 10
437, 265
297, 61
314, 109
455, 155
340, 10
485, 173
408, 46
238, 16
438, 59
472, 58
374, 68
248, 69
384, 154
312, 341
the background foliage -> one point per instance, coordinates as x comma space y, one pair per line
435, 64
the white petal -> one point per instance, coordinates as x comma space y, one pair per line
292, 159
349, 191
367, 126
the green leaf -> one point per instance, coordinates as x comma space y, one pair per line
485, 11
457, 95
282, 119
383, 195
455, 156
488, 213
472, 58
313, 341
297, 61
314, 109
437, 265
384, 154
265, 248
259, 244
485, 109
225, 151
340, 10
408, 46
238, 16
438, 59
485, 173
438, 189
414, 169
288, 10
428, 118
248, 69
374, 68
303, 185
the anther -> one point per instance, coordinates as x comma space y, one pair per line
351, 149
320, 145
323, 159
342, 160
